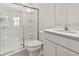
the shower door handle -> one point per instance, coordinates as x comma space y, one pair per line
21, 44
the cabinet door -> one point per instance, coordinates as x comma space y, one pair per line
65, 52
49, 48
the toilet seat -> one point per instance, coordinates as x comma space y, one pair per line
34, 43
34, 47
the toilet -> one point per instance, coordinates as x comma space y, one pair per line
34, 47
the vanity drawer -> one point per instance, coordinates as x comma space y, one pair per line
52, 37
70, 44
63, 41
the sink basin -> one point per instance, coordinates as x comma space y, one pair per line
66, 31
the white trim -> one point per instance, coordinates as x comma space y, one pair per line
9, 54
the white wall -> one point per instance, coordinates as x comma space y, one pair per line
46, 17
73, 16
67, 15
61, 14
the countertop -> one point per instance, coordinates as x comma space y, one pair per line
74, 36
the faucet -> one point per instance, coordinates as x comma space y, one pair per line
66, 28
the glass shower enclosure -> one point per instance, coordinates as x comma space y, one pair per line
18, 24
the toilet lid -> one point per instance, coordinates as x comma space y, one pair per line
34, 43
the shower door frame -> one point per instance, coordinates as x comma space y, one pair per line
19, 4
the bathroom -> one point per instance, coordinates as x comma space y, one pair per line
39, 29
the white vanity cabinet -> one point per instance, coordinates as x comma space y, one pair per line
61, 51
55, 45
49, 48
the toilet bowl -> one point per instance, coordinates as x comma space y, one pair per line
34, 47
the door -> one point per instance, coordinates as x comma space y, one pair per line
11, 29
30, 24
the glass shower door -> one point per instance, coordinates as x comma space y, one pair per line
10, 30
30, 24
